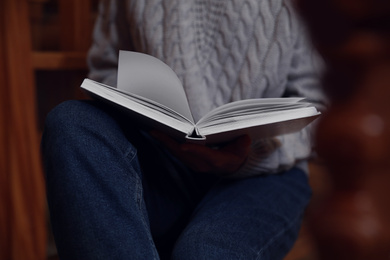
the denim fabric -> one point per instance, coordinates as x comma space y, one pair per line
114, 193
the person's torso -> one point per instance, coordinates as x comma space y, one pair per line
222, 50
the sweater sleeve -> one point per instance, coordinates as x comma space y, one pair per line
283, 152
109, 36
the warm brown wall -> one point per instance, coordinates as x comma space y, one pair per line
353, 137
22, 193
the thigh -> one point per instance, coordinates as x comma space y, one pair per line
94, 185
254, 218
170, 190
110, 187
171, 193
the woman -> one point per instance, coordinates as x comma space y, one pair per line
118, 192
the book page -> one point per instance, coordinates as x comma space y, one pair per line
259, 118
147, 76
145, 109
256, 131
251, 106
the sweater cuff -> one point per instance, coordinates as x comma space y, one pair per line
274, 155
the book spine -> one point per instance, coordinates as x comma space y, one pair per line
195, 137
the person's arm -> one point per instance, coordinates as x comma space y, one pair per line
111, 34
223, 161
283, 152
240, 158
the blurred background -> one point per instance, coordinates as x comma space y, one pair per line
60, 37
43, 47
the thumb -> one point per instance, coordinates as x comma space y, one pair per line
240, 146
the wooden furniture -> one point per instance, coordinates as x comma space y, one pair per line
353, 138
71, 27
61, 36
22, 199
31, 59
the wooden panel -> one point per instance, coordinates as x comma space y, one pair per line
353, 137
38, 1
22, 198
59, 60
75, 24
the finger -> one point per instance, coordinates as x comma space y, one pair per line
204, 159
217, 160
235, 150
183, 154
240, 146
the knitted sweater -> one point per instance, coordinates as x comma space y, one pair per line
223, 51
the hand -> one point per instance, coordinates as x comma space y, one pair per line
222, 161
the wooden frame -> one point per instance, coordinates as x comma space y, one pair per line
22, 199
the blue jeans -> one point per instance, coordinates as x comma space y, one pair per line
114, 193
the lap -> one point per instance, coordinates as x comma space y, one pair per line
254, 218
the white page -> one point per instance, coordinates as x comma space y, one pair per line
246, 105
229, 124
134, 105
244, 112
143, 75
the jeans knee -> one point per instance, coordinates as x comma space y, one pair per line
66, 125
186, 247
203, 243
66, 115
82, 125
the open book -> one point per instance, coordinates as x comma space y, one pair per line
166, 107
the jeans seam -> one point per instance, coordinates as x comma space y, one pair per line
131, 154
145, 221
279, 234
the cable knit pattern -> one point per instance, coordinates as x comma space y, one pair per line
222, 50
